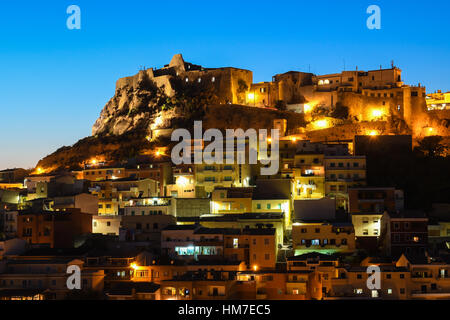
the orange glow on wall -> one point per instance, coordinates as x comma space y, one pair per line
321, 124
376, 113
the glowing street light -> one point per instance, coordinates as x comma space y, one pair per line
321, 123
182, 181
255, 268
373, 133
377, 113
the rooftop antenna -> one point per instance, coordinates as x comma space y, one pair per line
344, 64
392, 64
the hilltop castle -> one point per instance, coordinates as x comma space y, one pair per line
369, 95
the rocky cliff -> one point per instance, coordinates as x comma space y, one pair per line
144, 105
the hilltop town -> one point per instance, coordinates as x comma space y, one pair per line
362, 181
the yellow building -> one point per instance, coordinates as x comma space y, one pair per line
241, 221
252, 200
113, 194
212, 176
231, 200
438, 101
341, 173
322, 237
106, 225
367, 224
309, 176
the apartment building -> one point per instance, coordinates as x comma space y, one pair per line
55, 229
323, 237
114, 194
44, 278
404, 232
342, 173
241, 221
257, 247
373, 200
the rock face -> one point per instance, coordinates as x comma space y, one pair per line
138, 99
134, 104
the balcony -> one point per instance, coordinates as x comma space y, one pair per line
346, 168
419, 277
439, 293
292, 281
242, 246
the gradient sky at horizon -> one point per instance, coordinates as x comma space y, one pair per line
54, 81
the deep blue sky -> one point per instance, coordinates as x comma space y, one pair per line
54, 81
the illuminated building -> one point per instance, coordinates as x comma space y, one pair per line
280, 285
322, 237
231, 200
309, 176
106, 225
221, 175
184, 186
251, 220
438, 101
194, 242
129, 290
115, 193
342, 173
103, 173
